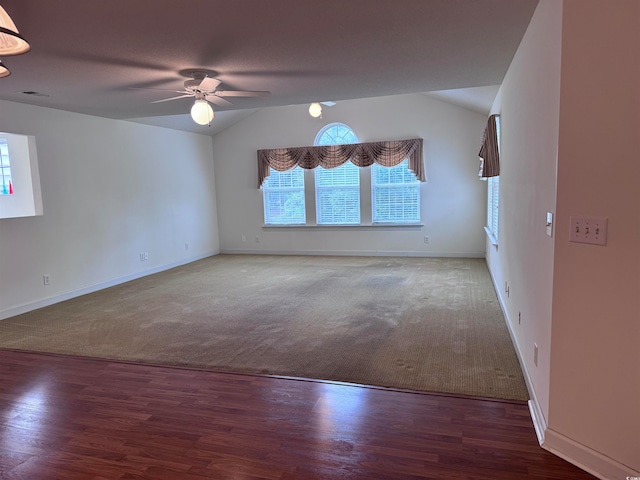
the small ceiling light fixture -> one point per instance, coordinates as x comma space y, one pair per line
11, 42
201, 112
315, 110
4, 71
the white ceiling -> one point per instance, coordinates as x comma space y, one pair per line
91, 56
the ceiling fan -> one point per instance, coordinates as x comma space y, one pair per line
203, 88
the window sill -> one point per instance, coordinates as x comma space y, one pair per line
492, 238
360, 225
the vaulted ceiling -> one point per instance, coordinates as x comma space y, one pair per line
94, 57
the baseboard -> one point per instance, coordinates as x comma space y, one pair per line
586, 458
27, 307
577, 454
355, 253
537, 415
539, 420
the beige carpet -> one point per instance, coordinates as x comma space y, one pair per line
427, 324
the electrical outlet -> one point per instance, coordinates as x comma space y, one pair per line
186, 246
46, 279
244, 238
142, 256
146, 255
257, 239
591, 230
426, 239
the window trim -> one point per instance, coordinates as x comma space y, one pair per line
416, 184
266, 190
364, 189
5, 168
493, 194
318, 189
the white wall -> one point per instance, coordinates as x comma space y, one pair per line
570, 123
528, 102
452, 201
111, 189
595, 359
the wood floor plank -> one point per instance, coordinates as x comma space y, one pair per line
77, 418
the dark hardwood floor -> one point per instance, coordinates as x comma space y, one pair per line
77, 418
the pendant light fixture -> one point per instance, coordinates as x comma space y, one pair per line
11, 42
315, 110
4, 71
201, 112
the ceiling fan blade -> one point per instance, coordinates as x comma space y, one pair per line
213, 98
157, 89
208, 84
241, 93
173, 98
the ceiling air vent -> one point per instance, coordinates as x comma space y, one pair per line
35, 94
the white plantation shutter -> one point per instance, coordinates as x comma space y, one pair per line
283, 195
493, 185
493, 197
395, 194
338, 195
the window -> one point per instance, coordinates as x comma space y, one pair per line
6, 185
283, 194
493, 197
345, 195
337, 189
335, 134
395, 194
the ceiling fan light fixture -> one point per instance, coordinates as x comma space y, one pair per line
4, 71
202, 113
315, 110
11, 42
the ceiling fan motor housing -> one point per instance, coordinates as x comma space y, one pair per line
192, 85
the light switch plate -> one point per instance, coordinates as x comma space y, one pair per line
591, 230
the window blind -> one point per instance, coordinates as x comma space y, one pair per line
395, 194
283, 194
337, 195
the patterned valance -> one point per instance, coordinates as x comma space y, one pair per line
388, 154
489, 154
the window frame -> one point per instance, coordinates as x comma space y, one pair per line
267, 189
348, 135
6, 178
311, 191
414, 184
493, 197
